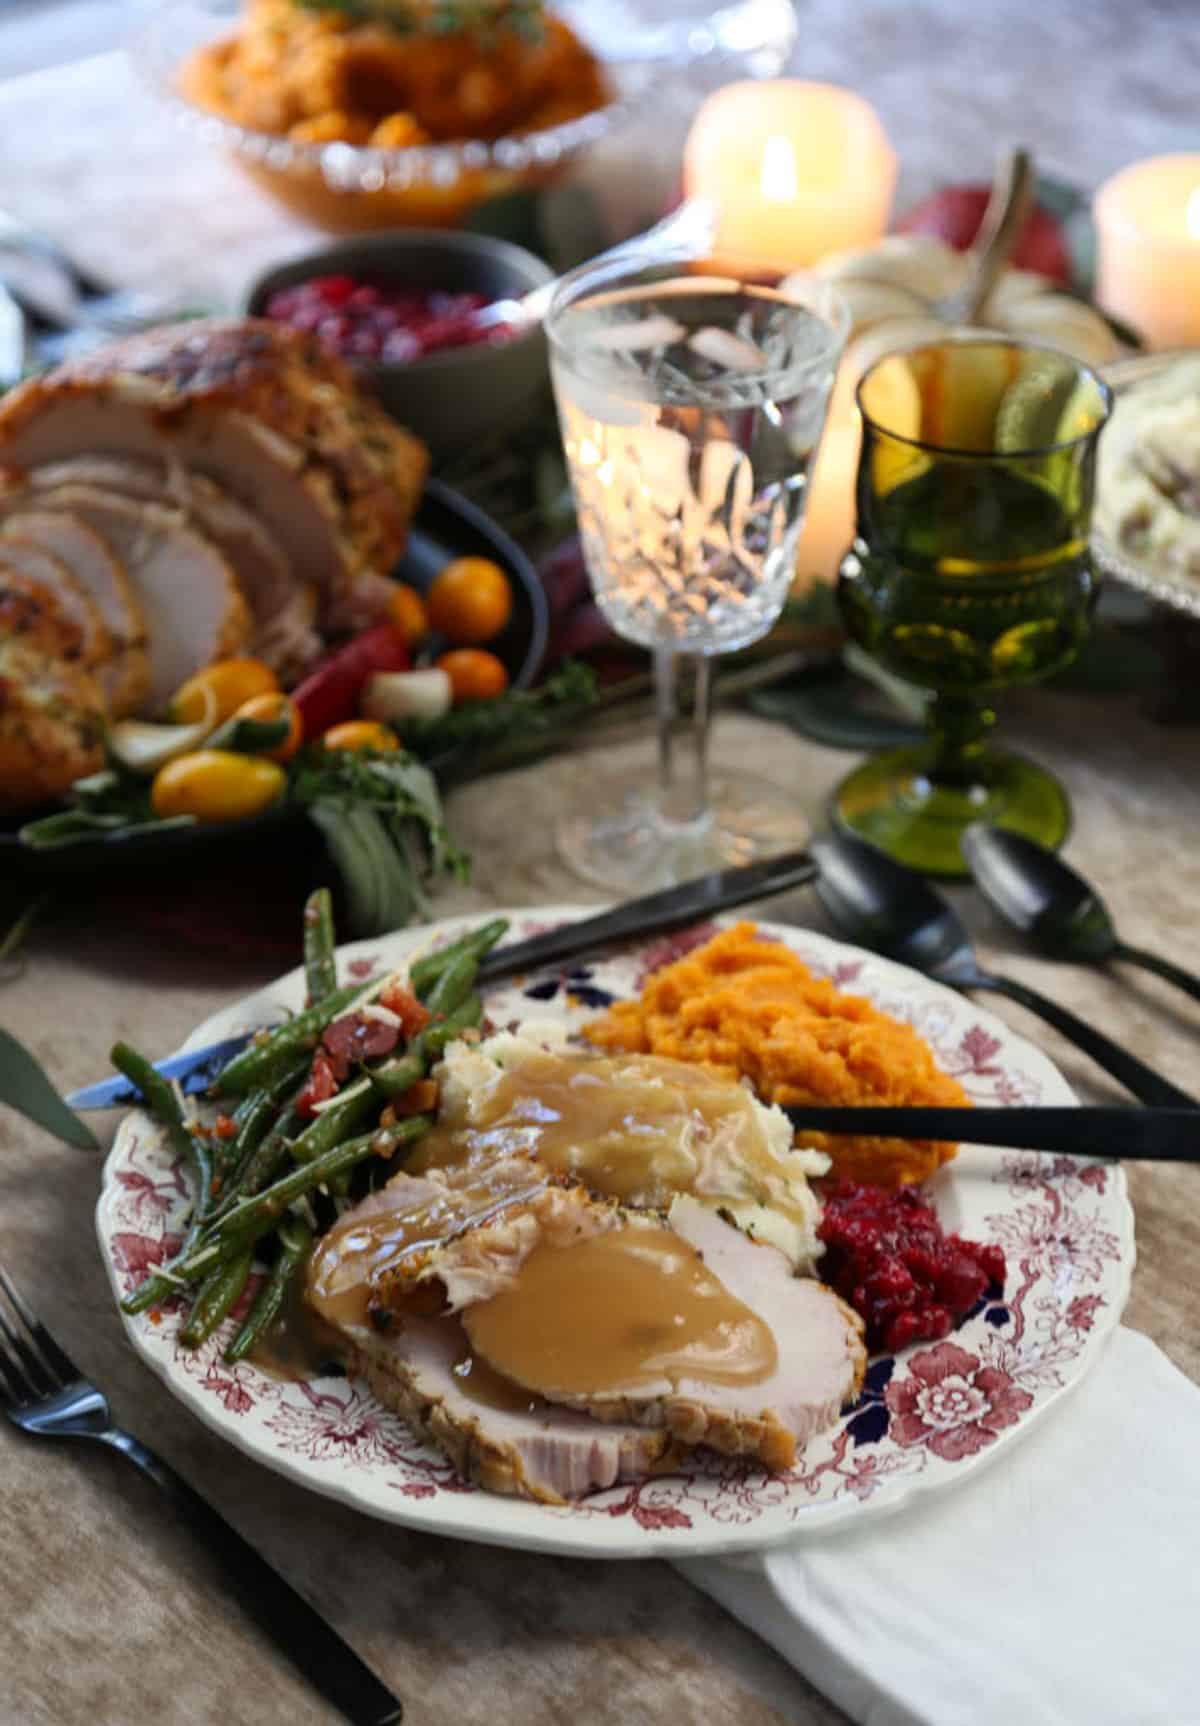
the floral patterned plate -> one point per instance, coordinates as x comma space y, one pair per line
925, 1419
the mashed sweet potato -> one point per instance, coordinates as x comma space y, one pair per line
749, 1006
318, 74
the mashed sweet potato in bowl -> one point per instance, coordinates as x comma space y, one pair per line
750, 1007
370, 113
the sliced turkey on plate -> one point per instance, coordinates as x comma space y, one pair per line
125, 678
189, 595
682, 1325
505, 1440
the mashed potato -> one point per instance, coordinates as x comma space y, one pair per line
640, 1129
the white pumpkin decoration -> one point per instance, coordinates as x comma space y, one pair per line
900, 281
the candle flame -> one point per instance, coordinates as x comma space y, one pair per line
1193, 215
778, 179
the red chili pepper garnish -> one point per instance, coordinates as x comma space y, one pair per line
412, 1014
225, 1127
330, 694
321, 1085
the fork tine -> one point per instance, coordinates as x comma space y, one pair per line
57, 1357
39, 1362
15, 1392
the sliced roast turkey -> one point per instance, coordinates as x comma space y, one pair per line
28, 560
736, 1353
283, 606
194, 609
504, 1440
125, 677
260, 409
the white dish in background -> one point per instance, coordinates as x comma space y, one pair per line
1155, 580
925, 1421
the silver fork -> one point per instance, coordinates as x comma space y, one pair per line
43, 1393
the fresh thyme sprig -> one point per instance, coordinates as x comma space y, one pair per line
442, 17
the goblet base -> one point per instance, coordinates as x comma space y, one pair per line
636, 851
894, 803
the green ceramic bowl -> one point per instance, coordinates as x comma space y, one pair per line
455, 398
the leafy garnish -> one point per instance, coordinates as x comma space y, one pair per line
441, 17
25, 1088
381, 818
521, 719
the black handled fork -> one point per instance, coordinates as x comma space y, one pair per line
43, 1393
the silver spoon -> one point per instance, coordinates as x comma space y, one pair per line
1047, 900
894, 911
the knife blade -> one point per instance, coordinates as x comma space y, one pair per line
1130, 1134
195, 1071
654, 914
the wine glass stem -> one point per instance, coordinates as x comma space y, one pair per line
682, 790
962, 727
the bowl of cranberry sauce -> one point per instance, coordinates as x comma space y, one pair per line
402, 308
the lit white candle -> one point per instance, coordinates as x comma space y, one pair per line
1148, 266
795, 170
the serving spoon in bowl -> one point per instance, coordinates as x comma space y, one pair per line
893, 911
1050, 902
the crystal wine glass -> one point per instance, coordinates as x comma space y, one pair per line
970, 572
691, 405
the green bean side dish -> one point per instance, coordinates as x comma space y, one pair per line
271, 1175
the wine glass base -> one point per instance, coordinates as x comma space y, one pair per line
636, 852
893, 803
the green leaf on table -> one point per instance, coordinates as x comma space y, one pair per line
25, 1088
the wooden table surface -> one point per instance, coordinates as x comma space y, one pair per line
111, 1614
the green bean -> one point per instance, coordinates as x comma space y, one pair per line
396, 1077
344, 1115
320, 962
261, 1063
263, 1145
295, 1242
257, 1216
426, 971
216, 1297
453, 986
164, 1104
159, 1096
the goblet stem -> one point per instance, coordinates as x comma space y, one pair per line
962, 728
682, 795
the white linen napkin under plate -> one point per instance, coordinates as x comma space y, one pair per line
1060, 1587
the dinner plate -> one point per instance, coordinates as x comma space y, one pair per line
447, 526
1157, 581
926, 1419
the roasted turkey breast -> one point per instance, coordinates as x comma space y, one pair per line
189, 595
51, 720
125, 678
262, 410
27, 560
283, 607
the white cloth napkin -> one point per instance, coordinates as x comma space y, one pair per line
1060, 1587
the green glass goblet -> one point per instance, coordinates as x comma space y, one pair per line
970, 573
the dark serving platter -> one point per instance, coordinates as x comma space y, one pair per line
447, 526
